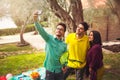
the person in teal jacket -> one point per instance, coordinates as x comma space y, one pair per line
54, 48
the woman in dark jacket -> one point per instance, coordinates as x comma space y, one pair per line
94, 56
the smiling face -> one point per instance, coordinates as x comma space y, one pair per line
91, 36
59, 32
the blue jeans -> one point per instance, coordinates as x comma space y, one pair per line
53, 75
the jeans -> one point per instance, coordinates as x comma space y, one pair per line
79, 73
53, 75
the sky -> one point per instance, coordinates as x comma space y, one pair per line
7, 22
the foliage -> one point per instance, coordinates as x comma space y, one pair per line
25, 11
2, 8
71, 17
10, 31
114, 6
13, 31
44, 24
90, 14
22, 15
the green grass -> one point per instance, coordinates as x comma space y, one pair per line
13, 48
112, 66
20, 63
16, 64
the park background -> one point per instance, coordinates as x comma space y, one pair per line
21, 55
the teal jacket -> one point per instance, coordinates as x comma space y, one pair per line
54, 48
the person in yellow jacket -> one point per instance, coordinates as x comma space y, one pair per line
78, 45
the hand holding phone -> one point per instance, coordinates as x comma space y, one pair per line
37, 15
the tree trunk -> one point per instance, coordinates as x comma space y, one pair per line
77, 11
115, 8
71, 22
22, 41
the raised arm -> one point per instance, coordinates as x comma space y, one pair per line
39, 27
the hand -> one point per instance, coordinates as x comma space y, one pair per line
64, 69
35, 15
90, 69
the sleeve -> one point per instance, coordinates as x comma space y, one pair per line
95, 58
88, 44
41, 31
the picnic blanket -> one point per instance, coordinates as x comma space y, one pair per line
26, 75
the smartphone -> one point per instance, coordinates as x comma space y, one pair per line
39, 12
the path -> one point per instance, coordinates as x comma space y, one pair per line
35, 40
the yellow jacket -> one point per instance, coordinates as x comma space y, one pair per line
77, 49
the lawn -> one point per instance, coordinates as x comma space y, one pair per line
112, 66
24, 59
16, 64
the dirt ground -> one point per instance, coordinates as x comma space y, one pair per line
113, 48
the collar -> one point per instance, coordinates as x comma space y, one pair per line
62, 39
80, 38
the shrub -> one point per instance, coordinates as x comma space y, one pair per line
13, 31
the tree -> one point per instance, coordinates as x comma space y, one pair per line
22, 14
114, 5
3, 8
71, 19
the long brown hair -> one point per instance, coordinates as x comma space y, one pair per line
96, 38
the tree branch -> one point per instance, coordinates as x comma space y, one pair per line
62, 14
77, 11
